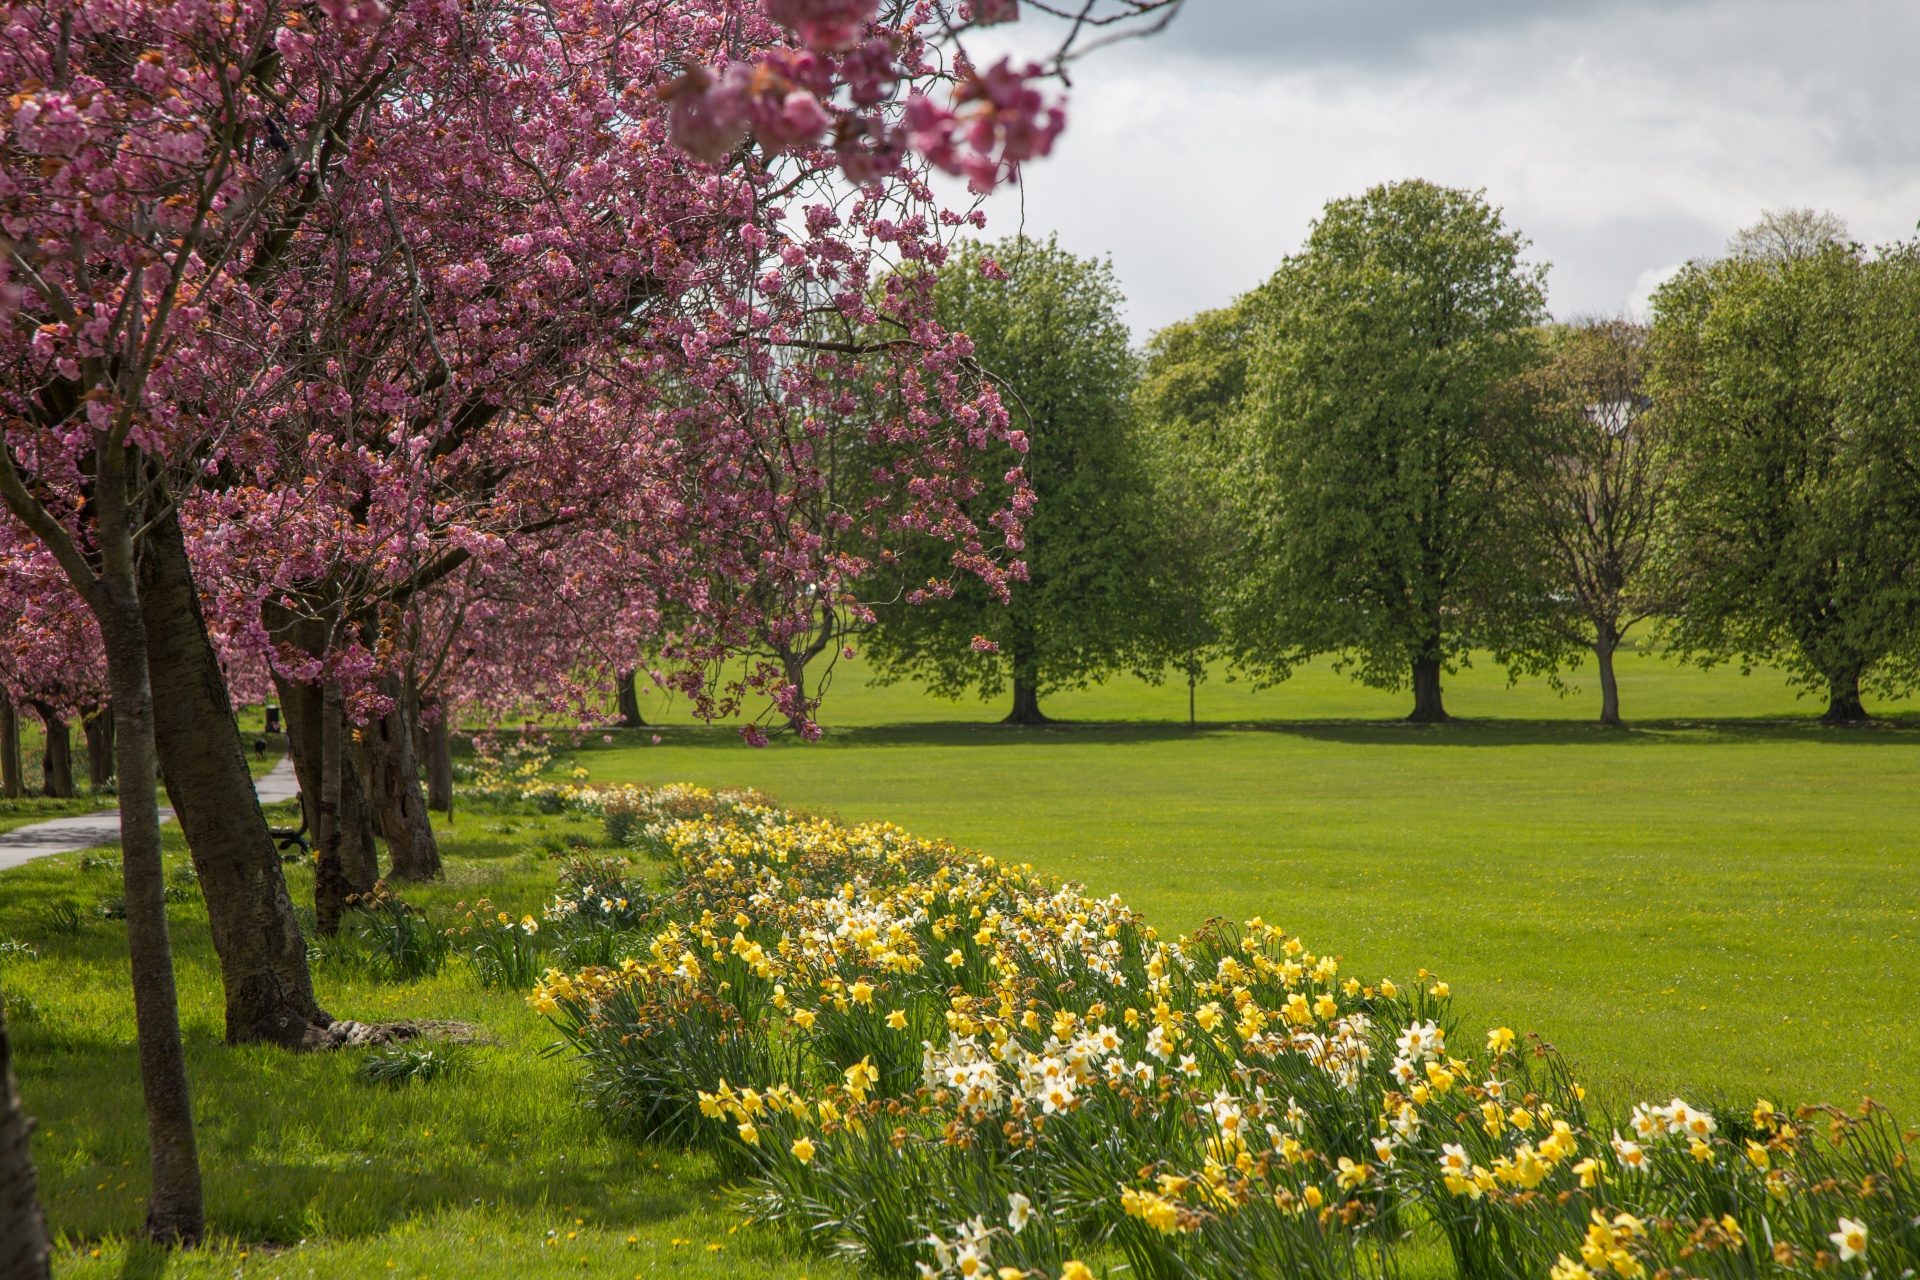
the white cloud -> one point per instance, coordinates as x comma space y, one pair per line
1623, 138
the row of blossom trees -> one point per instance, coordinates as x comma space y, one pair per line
418, 353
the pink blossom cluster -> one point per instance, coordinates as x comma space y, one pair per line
483, 341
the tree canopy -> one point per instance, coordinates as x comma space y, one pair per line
1776, 369
1046, 329
1380, 445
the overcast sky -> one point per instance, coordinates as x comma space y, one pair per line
1622, 136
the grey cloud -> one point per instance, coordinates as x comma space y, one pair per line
1336, 34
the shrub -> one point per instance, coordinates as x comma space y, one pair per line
929, 1061
400, 943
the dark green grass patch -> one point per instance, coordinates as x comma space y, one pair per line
491, 1169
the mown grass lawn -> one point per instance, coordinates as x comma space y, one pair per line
496, 1172
1720, 906
1723, 901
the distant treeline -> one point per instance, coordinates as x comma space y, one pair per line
1389, 453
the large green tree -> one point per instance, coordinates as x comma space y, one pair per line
1793, 513
1591, 505
1382, 440
1192, 384
1046, 327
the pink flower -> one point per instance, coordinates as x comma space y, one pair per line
983, 645
709, 116
355, 13
608, 738
753, 736
822, 24
656, 739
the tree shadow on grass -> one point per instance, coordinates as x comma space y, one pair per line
298, 1147
1886, 731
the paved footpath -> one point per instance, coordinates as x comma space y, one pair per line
68, 835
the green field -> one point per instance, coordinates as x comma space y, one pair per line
1718, 902
1722, 899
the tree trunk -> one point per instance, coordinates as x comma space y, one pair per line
329, 876
1603, 650
439, 761
301, 707
99, 731
629, 701
175, 1209
393, 782
56, 757
24, 1254
1026, 702
359, 855
1843, 701
13, 779
1427, 707
263, 954
793, 666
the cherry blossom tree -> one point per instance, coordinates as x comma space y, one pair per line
322, 305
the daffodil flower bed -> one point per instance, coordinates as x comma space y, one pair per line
950, 1066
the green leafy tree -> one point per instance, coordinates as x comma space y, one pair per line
1046, 327
1793, 525
1382, 444
1590, 505
1192, 384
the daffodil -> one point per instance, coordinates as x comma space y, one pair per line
803, 1150
1850, 1239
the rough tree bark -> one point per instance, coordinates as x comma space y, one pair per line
629, 702
24, 1254
301, 705
56, 757
1026, 701
393, 784
175, 1208
329, 876
263, 954
439, 761
13, 780
99, 731
1604, 645
1427, 706
1843, 700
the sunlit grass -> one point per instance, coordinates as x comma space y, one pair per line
495, 1171
1724, 908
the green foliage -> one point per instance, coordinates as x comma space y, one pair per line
400, 942
1382, 440
406, 1064
502, 952
65, 917
1785, 377
1191, 389
1051, 337
1589, 506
